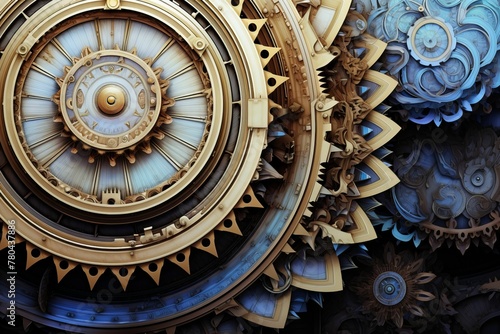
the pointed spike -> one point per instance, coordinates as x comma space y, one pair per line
170, 330
288, 249
153, 269
63, 267
229, 224
182, 259
266, 53
300, 230
254, 26
33, 255
123, 274
238, 7
207, 244
273, 81
271, 272
93, 273
4, 243
248, 200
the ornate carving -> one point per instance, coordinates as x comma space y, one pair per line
444, 54
451, 189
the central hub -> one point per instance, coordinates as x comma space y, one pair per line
106, 101
111, 100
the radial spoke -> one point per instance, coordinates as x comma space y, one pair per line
201, 93
128, 182
61, 49
97, 28
43, 71
167, 156
190, 118
164, 49
48, 160
46, 139
96, 177
126, 35
36, 97
188, 67
179, 140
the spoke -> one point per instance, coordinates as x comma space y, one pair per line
27, 195
43, 71
36, 97
179, 140
61, 49
190, 66
57, 154
36, 118
98, 34
201, 119
126, 36
201, 93
46, 139
96, 177
164, 49
128, 182
167, 156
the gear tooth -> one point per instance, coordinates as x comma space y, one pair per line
238, 7
254, 26
207, 244
266, 53
63, 267
123, 274
153, 269
34, 254
273, 81
248, 200
229, 224
93, 273
182, 259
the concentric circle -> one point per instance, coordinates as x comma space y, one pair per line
431, 41
107, 83
389, 288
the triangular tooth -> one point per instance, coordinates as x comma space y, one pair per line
266, 53
63, 267
273, 81
123, 275
229, 224
300, 230
4, 242
237, 5
153, 269
33, 255
254, 26
207, 244
288, 249
181, 259
93, 273
248, 200
171, 330
271, 272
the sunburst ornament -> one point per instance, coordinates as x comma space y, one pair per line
391, 287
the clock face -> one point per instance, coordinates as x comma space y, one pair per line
171, 155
